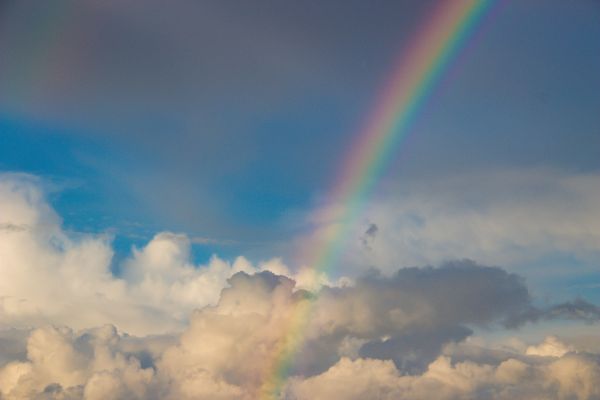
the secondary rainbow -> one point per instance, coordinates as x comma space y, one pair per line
419, 68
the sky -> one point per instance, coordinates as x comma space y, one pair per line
165, 180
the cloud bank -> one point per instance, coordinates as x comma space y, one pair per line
50, 276
224, 352
213, 331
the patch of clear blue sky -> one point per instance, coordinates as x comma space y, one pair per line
79, 193
155, 136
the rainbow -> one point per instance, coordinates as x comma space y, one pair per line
418, 70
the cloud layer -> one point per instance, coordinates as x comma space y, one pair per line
214, 331
50, 276
225, 352
506, 217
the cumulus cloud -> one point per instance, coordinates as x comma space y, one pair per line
550, 347
551, 369
399, 335
226, 351
52, 277
569, 377
63, 365
404, 321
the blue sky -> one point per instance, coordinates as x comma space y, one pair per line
224, 130
230, 137
234, 135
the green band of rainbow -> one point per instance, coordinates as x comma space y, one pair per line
418, 71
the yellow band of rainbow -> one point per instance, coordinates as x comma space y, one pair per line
418, 70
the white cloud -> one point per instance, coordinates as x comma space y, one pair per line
502, 218
49, 276
62, 364
381, 337
228, 349
569, 377
99, 364
550, 347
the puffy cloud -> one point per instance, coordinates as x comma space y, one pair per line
409, 316
52, 277
404, 321
382, 336
97, 364
550, 347
569, 377
228, 348
63, 365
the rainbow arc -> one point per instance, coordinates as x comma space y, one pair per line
418, 70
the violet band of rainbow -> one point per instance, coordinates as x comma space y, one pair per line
418, 70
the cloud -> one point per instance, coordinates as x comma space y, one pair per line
166, 91
99, 364
227, 349
505, 217
550, 347
463, 371
226, 322
578, 309
404, 321
369, 235
52, 277
572, 376
12, 344
192, 52
12, 228
64, 365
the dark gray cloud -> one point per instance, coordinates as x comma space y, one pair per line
412, 352
369, 236
12, 345
457, 291
197, 63
202, 99
576, 310
13, 227
409, 316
